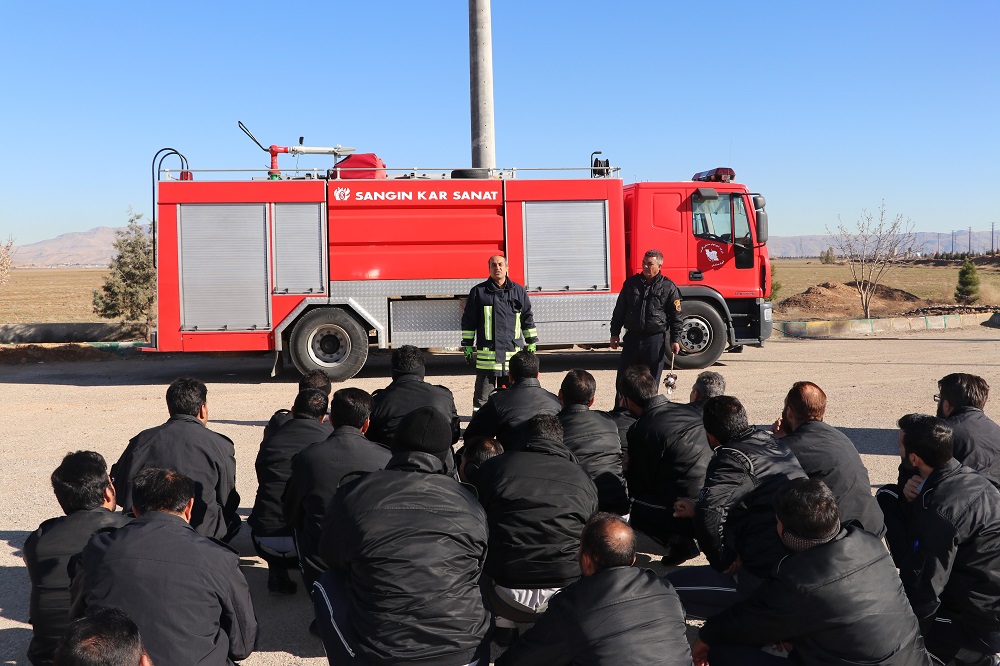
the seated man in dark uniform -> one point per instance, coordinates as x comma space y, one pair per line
976, 437
314, 379
272, 538
592, 436
506, 411
184, 443
407, 392
85, 493
837, 599
615, 614
185, 591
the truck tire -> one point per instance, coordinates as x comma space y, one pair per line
470, 173
703, 336
331, 340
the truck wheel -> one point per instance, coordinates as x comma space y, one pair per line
470, 173
703, 336
331, 340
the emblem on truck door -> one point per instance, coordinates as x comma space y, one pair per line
342, 193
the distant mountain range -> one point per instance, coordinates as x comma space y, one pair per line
94, 247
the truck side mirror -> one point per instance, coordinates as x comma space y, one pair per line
761, 226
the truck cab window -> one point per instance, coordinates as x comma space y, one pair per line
741, 223
712, 218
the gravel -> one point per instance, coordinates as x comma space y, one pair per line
51, 408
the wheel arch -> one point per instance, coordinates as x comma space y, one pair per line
715, 299
283, 330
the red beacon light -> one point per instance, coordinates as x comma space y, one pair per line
719, 175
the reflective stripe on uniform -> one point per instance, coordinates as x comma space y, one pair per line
529, 332
488, 322
468, 335
517, 325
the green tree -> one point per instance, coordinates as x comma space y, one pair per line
828, 256
775, 285
967, 291
129, 290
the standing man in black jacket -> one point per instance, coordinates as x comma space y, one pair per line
537, 499
960, 402
649, 307
406, 547
317, 471
184, 443
84, 491
946, 542
615, 614
829, 455
836, 599
272, 538
734, 519
505, 413
497, 314
668, 458
593, 438
407, 392
185, 591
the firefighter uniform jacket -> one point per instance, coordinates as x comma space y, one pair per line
184, 591
648, 308
495, 318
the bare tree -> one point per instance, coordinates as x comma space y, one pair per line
871, 248
6, 259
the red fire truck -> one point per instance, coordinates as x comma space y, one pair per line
320, 265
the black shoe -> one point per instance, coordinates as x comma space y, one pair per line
505, 637
679, 553
280, 584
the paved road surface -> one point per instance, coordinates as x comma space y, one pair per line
47, 410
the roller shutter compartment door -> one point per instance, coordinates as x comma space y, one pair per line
298, 248
566, 246
224, 280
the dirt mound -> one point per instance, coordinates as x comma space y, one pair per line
834, 300
25, 354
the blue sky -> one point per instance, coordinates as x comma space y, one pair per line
826, 108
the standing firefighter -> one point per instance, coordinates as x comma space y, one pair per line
497, 315
649, 307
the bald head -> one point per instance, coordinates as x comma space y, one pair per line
805, 402
607, 541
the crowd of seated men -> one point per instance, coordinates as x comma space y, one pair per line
415, 553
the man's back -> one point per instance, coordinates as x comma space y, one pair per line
316, 473
827, 454
742, 479
839, 602
668, 453
47, 553
537, 500
185, 591
976, 441
184, 444
274, 467
505, 413
621, 615
406, 393
413, 542
593, 438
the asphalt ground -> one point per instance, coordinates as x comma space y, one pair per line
49, 409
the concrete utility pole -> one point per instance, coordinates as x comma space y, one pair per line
484, 152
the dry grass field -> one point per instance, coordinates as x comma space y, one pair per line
933, 283
46, 295
50, 295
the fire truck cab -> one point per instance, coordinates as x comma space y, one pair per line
320, 267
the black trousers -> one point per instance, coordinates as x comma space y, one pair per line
486, 383
647, 350
705, 592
